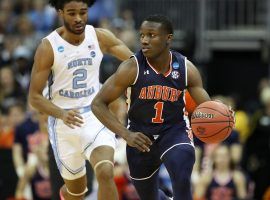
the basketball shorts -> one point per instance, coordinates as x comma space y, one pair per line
72, 147
144, 165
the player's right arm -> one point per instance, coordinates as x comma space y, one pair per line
113, 88
43, 62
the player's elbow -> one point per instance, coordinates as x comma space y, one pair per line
97, 104
33, 99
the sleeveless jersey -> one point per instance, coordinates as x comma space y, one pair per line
217, 191
74, 79
156, 101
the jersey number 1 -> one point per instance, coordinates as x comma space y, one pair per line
159, 109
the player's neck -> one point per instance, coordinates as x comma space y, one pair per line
72, 38
161, 63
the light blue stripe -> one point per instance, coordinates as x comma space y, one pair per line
51, 126
82, 109
89, 144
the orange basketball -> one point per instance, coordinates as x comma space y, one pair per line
212, 122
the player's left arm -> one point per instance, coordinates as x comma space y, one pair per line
110, 44
195, 84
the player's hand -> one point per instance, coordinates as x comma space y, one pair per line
72, 118
232, 113
139, 140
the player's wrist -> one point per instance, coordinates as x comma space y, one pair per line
61, 114
125, 135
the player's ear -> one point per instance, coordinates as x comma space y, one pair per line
60, 13
170, 37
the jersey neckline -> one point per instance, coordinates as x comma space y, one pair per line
72, 45
166, 73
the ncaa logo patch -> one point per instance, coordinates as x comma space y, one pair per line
175, 74
60, 49
93, 54
175, 65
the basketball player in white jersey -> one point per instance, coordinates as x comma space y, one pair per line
69, 58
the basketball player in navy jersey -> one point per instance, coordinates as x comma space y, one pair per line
156, 79
69, 58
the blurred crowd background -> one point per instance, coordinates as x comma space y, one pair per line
228, 40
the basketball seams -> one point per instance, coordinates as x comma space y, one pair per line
214, 110
207, 122
228, 127
215, 121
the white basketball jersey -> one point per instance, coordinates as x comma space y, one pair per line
74, 80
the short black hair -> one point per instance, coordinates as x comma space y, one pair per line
59, 4
166, 23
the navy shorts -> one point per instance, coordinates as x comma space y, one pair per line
143, 165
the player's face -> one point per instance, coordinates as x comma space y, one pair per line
154, 39
75, 16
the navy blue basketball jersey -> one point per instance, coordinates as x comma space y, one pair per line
157, 100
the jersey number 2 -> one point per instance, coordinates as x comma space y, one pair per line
159, 109
79, 76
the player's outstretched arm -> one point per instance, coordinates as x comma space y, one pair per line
110, 44
195, 85
113, 88
43, 62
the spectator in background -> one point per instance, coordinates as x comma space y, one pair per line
6, 133
256, 157
7, 11
8, 177
22, 57
21, 144
26, 33
36, 167
127, 16
10, 90
10, 42
42, 16
15, 115
22, 6
126, 33
101, 9
222, 182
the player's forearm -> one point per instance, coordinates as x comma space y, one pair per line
45, 106
104, 115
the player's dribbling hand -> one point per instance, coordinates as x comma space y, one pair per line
72, 118
232, 112
139, 140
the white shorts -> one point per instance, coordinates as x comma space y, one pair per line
73, 146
